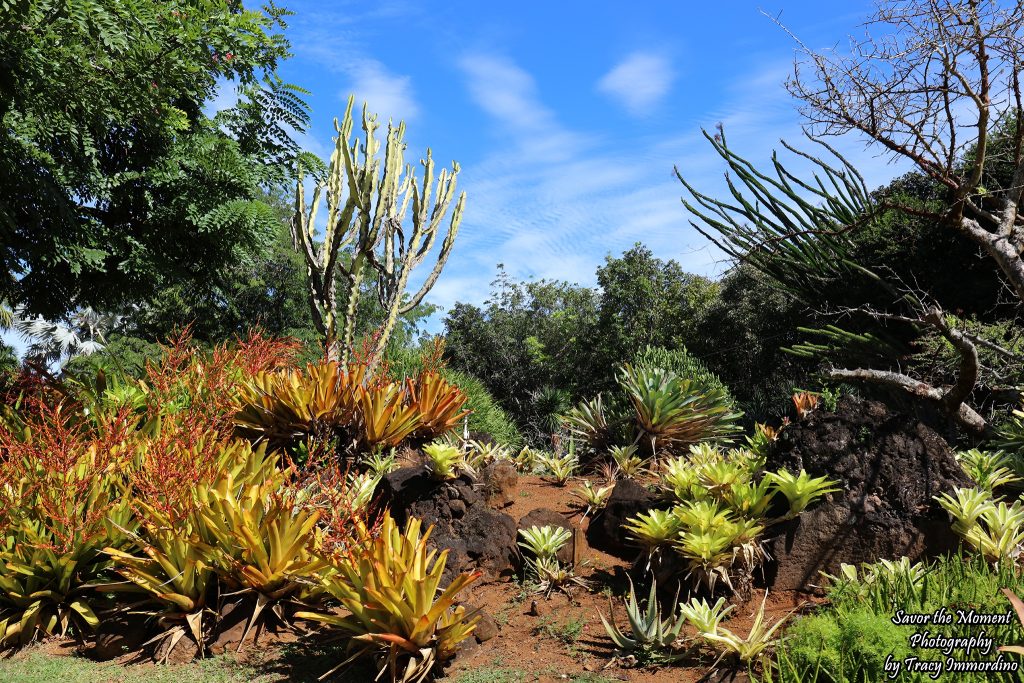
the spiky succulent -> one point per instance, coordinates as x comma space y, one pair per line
654, 528
444, 460
595, 498
651, 638
800, 489
626, 460
988, 469
560, 468
544, 542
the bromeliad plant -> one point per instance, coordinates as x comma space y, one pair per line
544, 543
444, 460
996, 530
560, 468
390, 586
438, 403
673, 412
800, 489
593, 498
748, 650
174, 572
62, 502
989, 469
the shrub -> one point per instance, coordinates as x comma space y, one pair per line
847, 646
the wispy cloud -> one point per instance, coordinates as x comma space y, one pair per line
387, 94
639, 82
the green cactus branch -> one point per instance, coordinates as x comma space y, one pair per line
368, 199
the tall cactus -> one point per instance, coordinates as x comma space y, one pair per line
367, 201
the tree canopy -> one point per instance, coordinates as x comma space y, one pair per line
115, 181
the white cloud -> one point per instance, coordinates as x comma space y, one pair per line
639, 82
387, 94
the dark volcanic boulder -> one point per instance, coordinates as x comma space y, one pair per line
889, 468
545, 517
476, 536
498, 482
607, 532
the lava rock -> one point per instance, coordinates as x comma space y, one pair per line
486, 628
889, 467
476, 536
607, 529
545, 517
498, 482
118, 637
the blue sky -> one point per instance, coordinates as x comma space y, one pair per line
567, 117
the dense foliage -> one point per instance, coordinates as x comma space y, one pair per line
116, 182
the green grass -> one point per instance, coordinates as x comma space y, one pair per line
35, 666
296, 664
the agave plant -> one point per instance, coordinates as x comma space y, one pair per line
800, 490
673, 412
390, 587
651, 638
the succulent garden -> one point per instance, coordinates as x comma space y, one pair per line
238, 443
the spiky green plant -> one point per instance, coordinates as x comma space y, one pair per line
560, 468
673, 412
379, 464
682, 478
444, 460
654, 529
626, 460
651, 638
801, 489
704, 617
544, 542
746, 649
594, 498
988, 469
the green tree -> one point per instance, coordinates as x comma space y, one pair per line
927, 90
114, 182
646, 301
